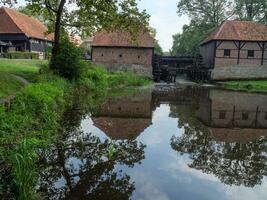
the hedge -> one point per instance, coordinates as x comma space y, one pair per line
20, 55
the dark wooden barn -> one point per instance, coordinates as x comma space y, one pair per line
19, 32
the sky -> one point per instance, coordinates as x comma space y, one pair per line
163, 17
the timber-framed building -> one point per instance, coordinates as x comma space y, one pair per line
236, 50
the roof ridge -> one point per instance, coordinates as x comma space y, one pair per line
220, 29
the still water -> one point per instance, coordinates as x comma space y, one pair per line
163, 144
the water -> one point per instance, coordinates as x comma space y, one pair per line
181, 143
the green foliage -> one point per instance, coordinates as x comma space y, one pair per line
9, 85
158, 50
252, 10
27, 69
210, 12
250, 86
32, 122
94, 78
67, 63
188, 42
122, 79
25, 174
20, 55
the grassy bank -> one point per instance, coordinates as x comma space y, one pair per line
34, 121
9, 85
27, 69
249, 86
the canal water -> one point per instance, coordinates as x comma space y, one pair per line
163, 144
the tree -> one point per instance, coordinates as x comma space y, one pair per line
253, 10
87, 169
208, 11
88, 16
158, 49
188, 41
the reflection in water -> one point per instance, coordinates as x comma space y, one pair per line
125, 118
219, 134
231, 145
82, 166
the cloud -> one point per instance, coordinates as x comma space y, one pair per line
165, 19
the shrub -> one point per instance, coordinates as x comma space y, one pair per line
122, 79
68, 63
20, 55
94, 78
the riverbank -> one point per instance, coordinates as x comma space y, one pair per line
15, 73
34, 120
248, 86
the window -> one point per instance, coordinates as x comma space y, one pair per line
227, 52
120, 55
102, 54
265, 115
250, 53
138, 57
244, 116
222, 115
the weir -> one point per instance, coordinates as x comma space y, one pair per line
166, 68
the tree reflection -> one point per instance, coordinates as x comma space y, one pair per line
84, 168
233, 163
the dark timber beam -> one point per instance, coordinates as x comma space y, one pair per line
262, 46
239, 45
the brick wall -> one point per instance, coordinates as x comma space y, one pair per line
138, 60
221, 61
226, 68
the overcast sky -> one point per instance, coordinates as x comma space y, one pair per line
163, 17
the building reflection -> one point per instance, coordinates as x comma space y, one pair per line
224, 135
125, 118
235, 116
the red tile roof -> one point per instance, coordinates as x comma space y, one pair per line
14, 22
122, 39
239, 30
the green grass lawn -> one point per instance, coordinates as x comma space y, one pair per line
250, 86
9, 85
27, 69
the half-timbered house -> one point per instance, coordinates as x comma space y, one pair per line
236, 50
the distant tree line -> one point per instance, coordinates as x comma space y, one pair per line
206, 15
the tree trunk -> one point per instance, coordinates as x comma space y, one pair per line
55, 48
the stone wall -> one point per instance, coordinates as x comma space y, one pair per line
239, 72
138, 60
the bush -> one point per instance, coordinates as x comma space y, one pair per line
20, 55
68, 62
94, 78
122, 79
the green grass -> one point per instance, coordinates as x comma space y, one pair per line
250, 86
27, 69
9, 85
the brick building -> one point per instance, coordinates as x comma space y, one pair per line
19, 32
118, 51
236, 50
